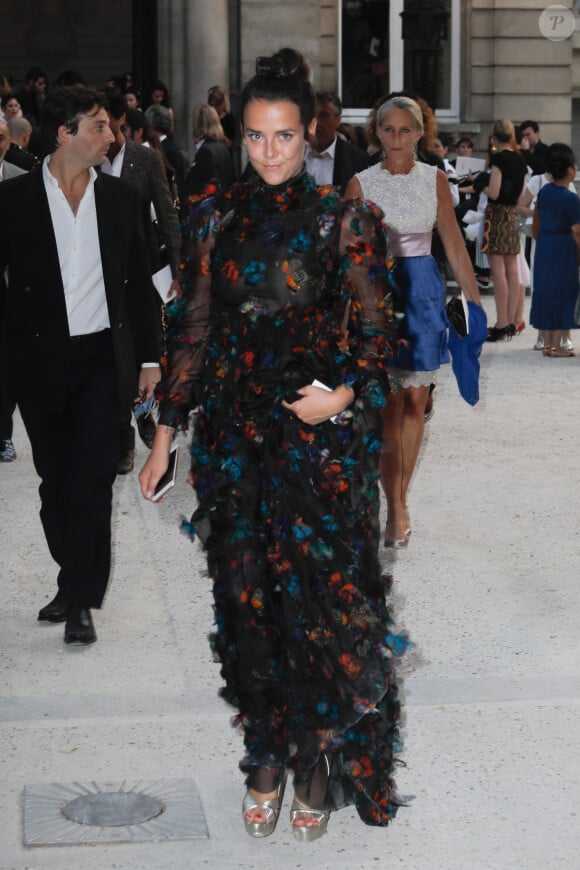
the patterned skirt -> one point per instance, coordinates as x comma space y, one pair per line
501, 231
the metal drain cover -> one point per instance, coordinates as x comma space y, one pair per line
112, 809
57, 814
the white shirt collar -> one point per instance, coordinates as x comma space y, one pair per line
310, 151
49, 178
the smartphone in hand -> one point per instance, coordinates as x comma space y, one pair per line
167, 480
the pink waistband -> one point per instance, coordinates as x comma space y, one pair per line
410, 244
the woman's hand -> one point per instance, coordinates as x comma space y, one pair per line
157, 463
318, 405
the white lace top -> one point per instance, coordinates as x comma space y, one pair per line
409, 203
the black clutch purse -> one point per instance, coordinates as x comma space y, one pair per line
456, 315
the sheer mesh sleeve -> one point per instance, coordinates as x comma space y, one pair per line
188, 314
366, 271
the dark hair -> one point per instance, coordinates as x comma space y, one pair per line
68, 77
34, 73
559, 159
329, 97
66, 106
136, 120
161, 86
115, 104
466, 139
533, 124
283, 76
5, 99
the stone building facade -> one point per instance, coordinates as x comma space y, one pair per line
494, 60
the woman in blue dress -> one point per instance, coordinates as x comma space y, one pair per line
556, 229
414, 198
288, 499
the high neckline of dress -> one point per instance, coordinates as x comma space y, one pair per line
287, 189
411, 170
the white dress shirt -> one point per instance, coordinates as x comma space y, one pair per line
321, 166
79, 254
115, 166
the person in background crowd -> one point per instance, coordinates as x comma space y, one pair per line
10, 107
533, 150
213, 160
329, 159
218, 100
160, 97
501, 231
136, 127
33, 94
74, 321
131, 100
557, 232
143, 169
7, 402
287, 499
159, 122
20, 131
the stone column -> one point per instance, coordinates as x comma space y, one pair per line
193, 55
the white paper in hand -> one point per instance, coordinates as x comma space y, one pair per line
162, 281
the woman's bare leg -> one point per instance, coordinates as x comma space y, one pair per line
413, 425
500, 288
391, 466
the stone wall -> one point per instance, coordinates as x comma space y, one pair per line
515, 72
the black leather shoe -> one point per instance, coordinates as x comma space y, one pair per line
79, 626
147, 427
55, 611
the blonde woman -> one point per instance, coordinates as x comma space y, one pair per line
213, 161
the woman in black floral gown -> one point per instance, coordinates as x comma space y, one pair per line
285, 471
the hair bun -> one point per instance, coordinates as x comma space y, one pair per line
286, 63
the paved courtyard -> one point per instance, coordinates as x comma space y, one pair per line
488, 590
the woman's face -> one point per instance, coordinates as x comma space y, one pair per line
12, 108
274, 138
130, 100
398, 133
157, 97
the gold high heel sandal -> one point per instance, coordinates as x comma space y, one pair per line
308, 833
270, 808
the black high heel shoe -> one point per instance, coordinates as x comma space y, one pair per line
497, 333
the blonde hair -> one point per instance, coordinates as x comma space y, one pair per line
206, 123
504, 131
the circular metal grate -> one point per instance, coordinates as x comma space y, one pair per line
112, 809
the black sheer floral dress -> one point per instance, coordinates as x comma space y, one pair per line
288, 512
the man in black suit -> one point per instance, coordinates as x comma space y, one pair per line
74, 319
534, 151
329, 159
143, 169
160, 123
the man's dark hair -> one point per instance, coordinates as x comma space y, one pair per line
533, 124
34, 73
65, 107
114, 103
136, 121
464, 139
329, 97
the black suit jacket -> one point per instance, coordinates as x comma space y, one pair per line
213, 162
348, 160
143, 167
34, 334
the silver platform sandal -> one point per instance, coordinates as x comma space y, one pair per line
270, 808
308, 833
